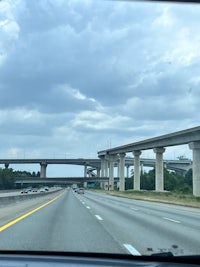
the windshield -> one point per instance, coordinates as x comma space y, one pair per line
78, 78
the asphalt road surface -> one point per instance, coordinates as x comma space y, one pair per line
96, 222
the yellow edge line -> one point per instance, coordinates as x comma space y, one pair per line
27, 214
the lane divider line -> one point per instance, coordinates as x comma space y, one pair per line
132, 250
171, 220
99, 217
88, 207
2, 228
134, 209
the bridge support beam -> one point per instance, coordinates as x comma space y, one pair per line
159, 168
111, 175
112, 159
102, 185
43, 169
106, 168
195, 146
85, 175
136, 154
98, 172
121, 171
102, 166
106, 173
99, 175
85, 171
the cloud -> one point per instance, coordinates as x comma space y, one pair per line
75, 74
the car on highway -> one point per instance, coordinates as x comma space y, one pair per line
82, 77
34, 189
80, 191
24, 191
42, 190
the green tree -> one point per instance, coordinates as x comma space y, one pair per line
147, 180
6, 179
170, 180
129, 183
188, 177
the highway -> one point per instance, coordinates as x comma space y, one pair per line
96, 222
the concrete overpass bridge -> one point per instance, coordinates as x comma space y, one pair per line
95, 163
180, 166
62, 180
158, 144
92, 165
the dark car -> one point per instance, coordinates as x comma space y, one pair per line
24, 191
34, 190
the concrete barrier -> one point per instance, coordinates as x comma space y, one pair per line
13, 199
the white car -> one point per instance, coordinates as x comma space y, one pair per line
42, 190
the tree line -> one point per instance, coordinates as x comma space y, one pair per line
8, 175
172, 181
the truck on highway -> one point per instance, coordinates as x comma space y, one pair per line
74, 186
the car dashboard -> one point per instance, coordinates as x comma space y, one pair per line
36, 259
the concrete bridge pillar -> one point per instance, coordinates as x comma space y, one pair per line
98, 172
118, 166
105, 173
85, 171
99, 175
112, 160
111, 174
159, 168
121, 171
136, 154
195, 146
103, 170
43, 168
102, 166
127, 171
106, 168
85, 175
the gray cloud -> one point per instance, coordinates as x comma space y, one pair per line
74, 73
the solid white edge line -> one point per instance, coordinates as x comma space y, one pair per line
132, 250
99, 217
171, 220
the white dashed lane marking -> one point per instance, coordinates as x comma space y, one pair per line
132, 250
171, 220
99, 217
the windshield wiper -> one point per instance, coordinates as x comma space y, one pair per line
163, 254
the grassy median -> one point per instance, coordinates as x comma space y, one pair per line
163, 197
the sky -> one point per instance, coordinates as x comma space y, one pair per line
77, 77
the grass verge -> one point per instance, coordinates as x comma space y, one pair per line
162, 197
